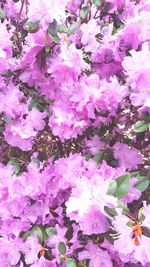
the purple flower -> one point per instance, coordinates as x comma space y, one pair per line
128, 158
131, 243
97, 256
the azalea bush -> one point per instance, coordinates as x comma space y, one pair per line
74, 133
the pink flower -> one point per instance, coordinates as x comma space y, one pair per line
132, 244
68, 64
22, 132
94, 222
10, 251
133, 194
104, 63
34, 248
87, 200
129, 158
45, 11
10, 100
94, 145
139, 78
89, 30
97, 256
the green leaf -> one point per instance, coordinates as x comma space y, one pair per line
88, 156
130, 223
112, 187
16, 169
99, 156
146, 117
36, 161
7, 120
1, 129
70, 262
36, 103
140, 215
109, 237
2, 14
123, 185
50, 231
40, 234
56, 39
146, 231
141, 126
110, 211
63, 28
140, 177
84, 12
53, 28
135, 174
62, 248
8, 73
83, 263
32, 27
74, 26
28, 233
32, 231
142, 184
97, 3
125, 210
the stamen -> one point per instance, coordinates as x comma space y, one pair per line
42, 251
137, 232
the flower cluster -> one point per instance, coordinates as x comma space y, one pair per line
74, 133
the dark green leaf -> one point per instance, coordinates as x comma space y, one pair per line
62, 28
84, 12
97, 3
56, 39
32, 231
88, 156
16, 169
140, 126
146, 231
123, 185
40, 234
112, 187
70, 262
110, 211
28, 233
109, 237
32, 27
7, 120
62, 248
50, 231
140, 215
2, 14
125, 210
1, 129
142, 184
146, 117
36, 160
53, 28
74, 26
99, 156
